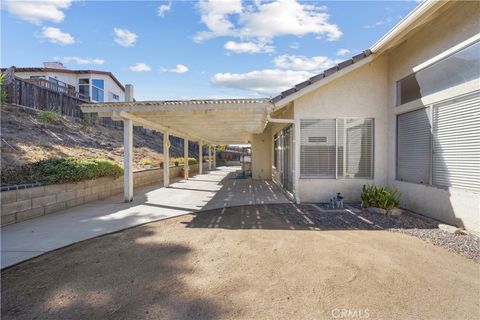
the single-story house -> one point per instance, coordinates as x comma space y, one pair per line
404, 113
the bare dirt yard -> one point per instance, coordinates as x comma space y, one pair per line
251, 262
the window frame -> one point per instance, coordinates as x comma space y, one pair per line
344, 177
432, 62
430, 110
99, 89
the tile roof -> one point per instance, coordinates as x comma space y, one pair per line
322, 75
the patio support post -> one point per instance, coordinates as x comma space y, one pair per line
209, 157
185, 157
166, 159
200, 157
127, 159
214, 157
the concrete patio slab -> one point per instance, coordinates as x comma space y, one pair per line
215, 189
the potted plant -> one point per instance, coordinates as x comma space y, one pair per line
381, 200
182, 173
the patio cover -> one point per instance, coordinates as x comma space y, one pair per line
225, 121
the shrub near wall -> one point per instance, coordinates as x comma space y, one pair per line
24, 204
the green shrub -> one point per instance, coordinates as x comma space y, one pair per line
180, 161
3, 93
379, 197
48, 116
71, 169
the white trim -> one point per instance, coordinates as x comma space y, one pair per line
419, 12
447, 53
436, 97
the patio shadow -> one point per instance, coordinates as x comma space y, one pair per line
302, 217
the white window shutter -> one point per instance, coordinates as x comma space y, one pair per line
414, 146
456, 143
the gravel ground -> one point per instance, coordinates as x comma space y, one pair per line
421, 227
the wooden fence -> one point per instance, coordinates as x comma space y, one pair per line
28, 94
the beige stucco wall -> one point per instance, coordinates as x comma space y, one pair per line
459, 22
360, 93
261, 155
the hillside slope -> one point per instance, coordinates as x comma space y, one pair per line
24, 139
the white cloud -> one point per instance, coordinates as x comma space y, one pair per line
264, 82
293, 62
124, 37
140, 67
248, 47
294, 45
37, 11
264, 21
379, 23
343, 52
79, 60
55, 35
164, 8
179, 68
215, 15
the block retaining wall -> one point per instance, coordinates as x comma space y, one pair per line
24, 204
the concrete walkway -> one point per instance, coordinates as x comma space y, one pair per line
215, 189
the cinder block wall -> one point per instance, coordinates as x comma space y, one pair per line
24, 204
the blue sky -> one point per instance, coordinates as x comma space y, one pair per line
186, 49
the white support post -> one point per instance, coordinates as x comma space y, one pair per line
128, 159
200, 157
214, 157
185, 157
166, 159
209, 157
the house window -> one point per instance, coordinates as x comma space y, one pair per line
413, 146
84, 87
336, 148
439, 144
456, 69
276, 151
97, 90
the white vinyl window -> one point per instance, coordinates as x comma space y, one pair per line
440, 144
336, 148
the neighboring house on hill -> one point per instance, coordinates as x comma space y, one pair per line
404, 113
99, 86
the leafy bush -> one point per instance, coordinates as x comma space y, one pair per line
379, 197
3, 93
48, 116
180, 161
71, 169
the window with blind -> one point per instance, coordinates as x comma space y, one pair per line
456, 143
443, 151
413, 146
336, 148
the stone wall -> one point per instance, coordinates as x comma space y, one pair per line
24, 204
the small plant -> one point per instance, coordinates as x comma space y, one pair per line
176, 163
48, 116
3, 92
379, 197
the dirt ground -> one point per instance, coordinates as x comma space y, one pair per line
244, 263
26, 140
